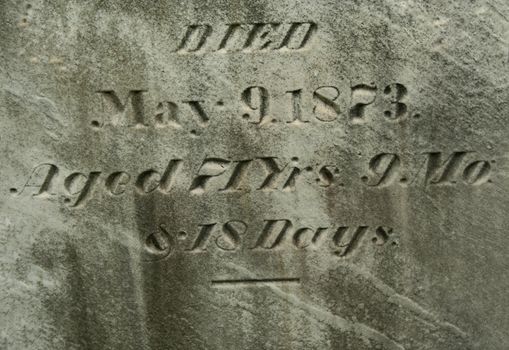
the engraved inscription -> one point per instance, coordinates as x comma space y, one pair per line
246, 37
269, 235
131, 111
440, 168
256, 102
357, 104
158, 244
265, 174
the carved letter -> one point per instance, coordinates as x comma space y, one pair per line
365, 95
195, 37
326, 108
477, 173
273, 173
210, 167
115, 182
384, 167
72, 181
37, 180
120, 111
298, 35
197, 108
299, 239
296, 108
347, 239
231, 232
169, 175
325, 176
440, 171
261, 36
239, 172
395, 92
167, 114
200, 244
150, 180
256, 98
266, 239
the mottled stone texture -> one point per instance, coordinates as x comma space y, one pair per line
303, 174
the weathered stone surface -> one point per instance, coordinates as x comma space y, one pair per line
254, 175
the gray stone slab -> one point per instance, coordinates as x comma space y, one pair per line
254, 175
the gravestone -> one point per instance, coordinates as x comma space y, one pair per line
254, 175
